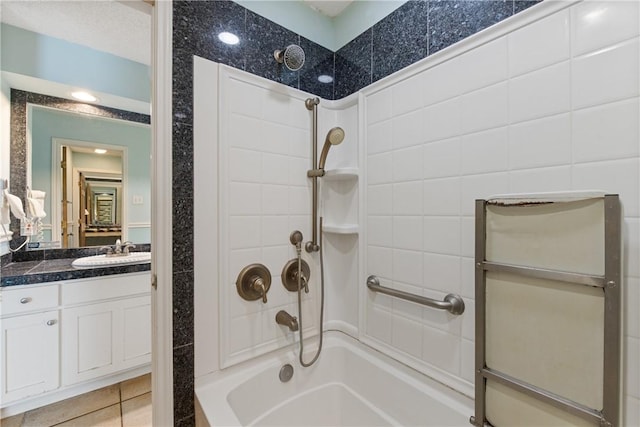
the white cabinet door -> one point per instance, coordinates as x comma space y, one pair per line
30, 351
100, 339
136, 332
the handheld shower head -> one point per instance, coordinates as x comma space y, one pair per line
292, 57
334, 137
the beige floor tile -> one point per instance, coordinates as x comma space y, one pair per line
135, 386
14, 421
74, 407
136, 412
107, 417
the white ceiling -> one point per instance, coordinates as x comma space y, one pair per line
331, 8
122, 28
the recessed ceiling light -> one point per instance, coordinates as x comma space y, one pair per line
99, 151
228, 38
323, 78
84, 96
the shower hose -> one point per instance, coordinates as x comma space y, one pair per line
299, 251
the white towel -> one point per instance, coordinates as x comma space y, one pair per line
35, 204
4, 212
15, 204
543, 198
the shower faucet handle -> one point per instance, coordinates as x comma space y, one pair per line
258, 286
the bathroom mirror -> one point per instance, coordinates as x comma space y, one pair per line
112, 63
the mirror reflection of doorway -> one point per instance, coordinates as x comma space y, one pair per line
91, 190
100, 212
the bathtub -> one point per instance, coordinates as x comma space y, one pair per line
350, 385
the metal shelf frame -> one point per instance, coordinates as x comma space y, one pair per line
609, 415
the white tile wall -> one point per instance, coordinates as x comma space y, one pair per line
552, 106
265, 195
540, 44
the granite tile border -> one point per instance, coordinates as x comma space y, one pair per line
353, 65
189, 421
183, 308
452, 21
319, 62
400, 39
58, 270
183, 383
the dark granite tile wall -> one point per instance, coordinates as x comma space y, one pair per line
353, 65
400, 39
413, 31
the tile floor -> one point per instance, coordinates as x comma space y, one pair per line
127, 404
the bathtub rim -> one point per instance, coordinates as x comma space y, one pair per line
217, 385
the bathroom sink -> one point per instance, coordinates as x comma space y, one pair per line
112, 260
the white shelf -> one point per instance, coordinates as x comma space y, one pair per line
342, 174
340, 229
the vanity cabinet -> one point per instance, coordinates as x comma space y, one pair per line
30, 353
61, 335
100, 339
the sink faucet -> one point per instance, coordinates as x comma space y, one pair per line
126, 246
119, 248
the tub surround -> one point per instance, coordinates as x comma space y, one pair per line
55, 265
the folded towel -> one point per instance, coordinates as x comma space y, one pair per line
544, 198
4, 212
35, 204
15, 204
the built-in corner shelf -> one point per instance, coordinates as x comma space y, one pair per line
340, 228
341, 174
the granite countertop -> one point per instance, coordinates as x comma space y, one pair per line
48, 266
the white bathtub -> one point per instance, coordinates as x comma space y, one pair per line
350, 385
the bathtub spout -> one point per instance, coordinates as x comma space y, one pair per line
285, 319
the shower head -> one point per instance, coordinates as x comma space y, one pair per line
334, 137
292, 57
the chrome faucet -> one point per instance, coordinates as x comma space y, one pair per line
126, 246
119, 249
285, 319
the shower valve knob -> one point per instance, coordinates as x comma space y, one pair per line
253, 282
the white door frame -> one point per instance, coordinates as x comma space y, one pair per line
161, 216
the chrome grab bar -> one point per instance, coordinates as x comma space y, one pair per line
453, 303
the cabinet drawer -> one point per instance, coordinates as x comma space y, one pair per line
29, 298
103, 288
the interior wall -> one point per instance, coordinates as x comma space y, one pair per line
55, 60
551, 106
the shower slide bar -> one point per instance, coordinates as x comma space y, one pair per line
453, 303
